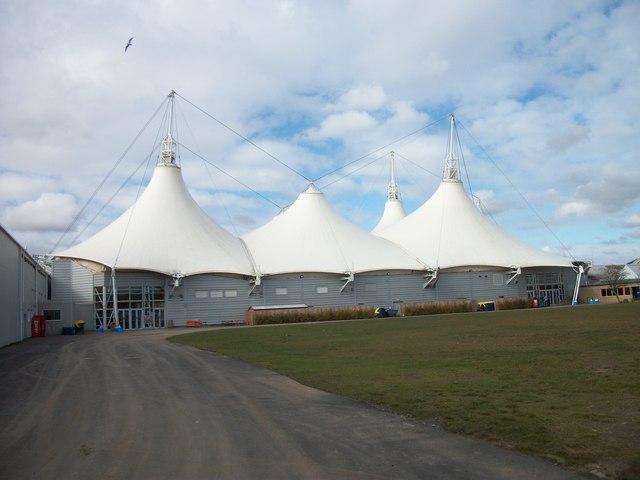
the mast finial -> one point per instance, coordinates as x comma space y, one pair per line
393, 193
168, 149
451, 162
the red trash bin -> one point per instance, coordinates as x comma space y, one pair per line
38, 326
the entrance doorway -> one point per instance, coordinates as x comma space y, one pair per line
130, 318
138, 307
547, 287
154, 318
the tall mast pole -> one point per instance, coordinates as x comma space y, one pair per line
116, 315
393, 186
451, 162
168, 150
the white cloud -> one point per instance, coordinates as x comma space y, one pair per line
405, 114
489, 203
341, 125
18, 187
363, 97
632, 221
573, 208
568, 138
546, 89
50, 211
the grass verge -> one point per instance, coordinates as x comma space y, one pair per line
560, 383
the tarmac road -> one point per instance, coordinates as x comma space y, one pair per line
135, 406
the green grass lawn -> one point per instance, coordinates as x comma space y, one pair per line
560, 383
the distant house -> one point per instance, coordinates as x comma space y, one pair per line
24, 287
597, 289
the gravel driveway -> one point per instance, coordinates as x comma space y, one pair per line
135, 406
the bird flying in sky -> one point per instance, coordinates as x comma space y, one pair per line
128, 44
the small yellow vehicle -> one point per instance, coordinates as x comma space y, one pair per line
486, 306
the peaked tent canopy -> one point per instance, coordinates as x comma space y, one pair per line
167, 232
393, 207
393, 213
448, 231
310, 236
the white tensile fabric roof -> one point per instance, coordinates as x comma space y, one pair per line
448, 231
393, 213
310, 236
165, 231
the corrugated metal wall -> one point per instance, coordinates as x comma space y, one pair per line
313, 289
23, 290
384, 289
175, 307
71, 282
474, 285
9, 290
35, 292
136, 279
61, 285
82, 284
217, 299
213, 299
71, 294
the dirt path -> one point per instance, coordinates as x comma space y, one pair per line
134, 406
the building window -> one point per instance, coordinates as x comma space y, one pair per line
52, 314
281, 291
322, 289
231, 293
202, 294
216, 293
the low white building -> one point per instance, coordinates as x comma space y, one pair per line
164, 261
597, 287
311, 255
24, 287
161, 262
455, 239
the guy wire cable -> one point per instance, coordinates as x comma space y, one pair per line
381, 148
206, 167
84, 207
232, 177
520, 193
244, 138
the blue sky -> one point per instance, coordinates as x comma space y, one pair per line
545, 93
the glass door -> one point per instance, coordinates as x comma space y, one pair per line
136, 318
158, 317
123, 318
